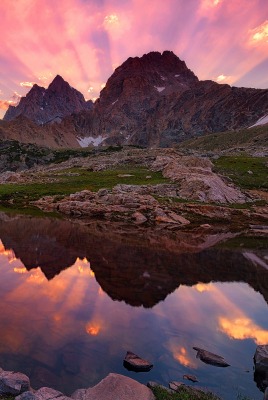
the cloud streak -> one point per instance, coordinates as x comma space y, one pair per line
85, 40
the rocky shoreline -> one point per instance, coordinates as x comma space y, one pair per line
119, 387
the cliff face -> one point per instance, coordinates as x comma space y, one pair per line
43, 106
154, 101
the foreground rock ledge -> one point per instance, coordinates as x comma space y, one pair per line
113, 387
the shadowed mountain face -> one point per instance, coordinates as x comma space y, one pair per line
154, 100
42, 105
152, 269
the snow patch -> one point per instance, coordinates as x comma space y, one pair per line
163, 78
160, 88
176, 76
114, 102
261, 121
90, 140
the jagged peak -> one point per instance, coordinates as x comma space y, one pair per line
58, 83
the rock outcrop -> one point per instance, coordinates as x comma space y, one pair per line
113, 387
196, 179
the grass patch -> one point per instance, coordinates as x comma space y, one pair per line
162, 394
74, 180
229, 139
245, 242
245, 171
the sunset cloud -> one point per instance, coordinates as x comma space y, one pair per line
243, 328
27, 84
84, 41
4, 104
260, 33
224, 79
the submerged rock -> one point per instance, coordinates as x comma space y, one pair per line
191, 378
210, 358
136, 363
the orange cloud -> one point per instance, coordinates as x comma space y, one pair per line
243, 328
182, 356
93, 328
4, 104
259, 34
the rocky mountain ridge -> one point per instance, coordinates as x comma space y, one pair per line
151, 101
44, 106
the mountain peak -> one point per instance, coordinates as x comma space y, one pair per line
44, 105
58, 84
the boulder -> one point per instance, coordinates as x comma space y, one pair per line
136, 363
139, 218
210, 358
115, 387
261, 358
261, 366
44, 393
13, 383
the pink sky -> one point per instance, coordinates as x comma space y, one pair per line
84, 40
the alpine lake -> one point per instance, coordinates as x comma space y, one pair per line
76, 297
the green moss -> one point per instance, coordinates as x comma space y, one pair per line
229, 139
162, 394
245, 171
245, 242
76, 179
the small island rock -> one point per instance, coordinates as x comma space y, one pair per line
210, 358
136, 363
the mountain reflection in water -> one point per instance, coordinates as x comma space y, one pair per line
60, 325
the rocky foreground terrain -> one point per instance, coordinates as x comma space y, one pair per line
157, 190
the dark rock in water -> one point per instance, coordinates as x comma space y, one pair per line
135, 363
191, 378
261, 366
13, 383
210, 358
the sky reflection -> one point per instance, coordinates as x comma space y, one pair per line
68, 333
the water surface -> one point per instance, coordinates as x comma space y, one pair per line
75, 299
